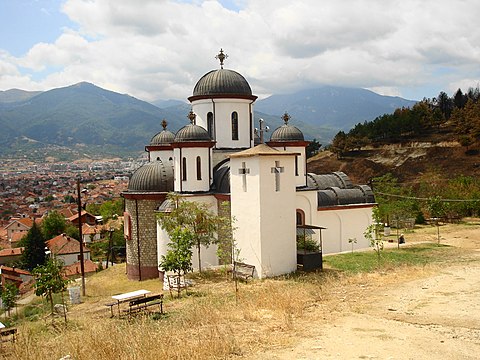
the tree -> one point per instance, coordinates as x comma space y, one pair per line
312, 148
374, 234
34, 252
193, 216
9, 294
179, 254
49, 280
54, 224
339, 144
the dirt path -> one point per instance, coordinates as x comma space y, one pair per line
435, 315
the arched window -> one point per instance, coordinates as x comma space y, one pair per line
199, 168
234, 125
300, 217
296, 165
158, 158
210, 124
184, 169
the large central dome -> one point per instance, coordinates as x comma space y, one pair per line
222, 82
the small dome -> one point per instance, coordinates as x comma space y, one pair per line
152, 177
164, 137
287, 132
192, 132
221, 177
222, 82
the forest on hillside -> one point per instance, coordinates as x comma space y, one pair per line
458, 115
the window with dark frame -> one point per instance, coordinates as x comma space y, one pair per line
234, 125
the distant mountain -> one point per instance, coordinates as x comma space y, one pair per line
332, 107
85, 117
14, 95
162, 104
86, 120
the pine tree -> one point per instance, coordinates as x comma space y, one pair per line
34, 252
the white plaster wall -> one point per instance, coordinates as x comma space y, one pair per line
192, 184
209, 255
265, 219
278, 217
343, 224
301, 178
245, 210
222, 119
164, 155
307, 201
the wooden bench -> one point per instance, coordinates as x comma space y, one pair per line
8, 334
142, 304
111, 305
243, 271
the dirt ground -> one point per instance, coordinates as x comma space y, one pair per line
430, 313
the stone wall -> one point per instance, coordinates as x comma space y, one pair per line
143, 265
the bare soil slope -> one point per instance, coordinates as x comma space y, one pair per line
406, 162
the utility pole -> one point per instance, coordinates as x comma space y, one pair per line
82, 265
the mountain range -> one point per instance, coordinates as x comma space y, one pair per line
86, 120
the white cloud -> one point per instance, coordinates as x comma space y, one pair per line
159, 49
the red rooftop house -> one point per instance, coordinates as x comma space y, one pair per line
10, 256
87, 218
67, 249
18, 227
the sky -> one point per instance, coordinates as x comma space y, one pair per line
158, 49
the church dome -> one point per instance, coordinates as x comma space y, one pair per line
222, 82
192, 132
152, 177
287, 132
164, 137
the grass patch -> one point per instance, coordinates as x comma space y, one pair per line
368, 261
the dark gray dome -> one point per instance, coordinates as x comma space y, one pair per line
192, 132
221, 177
287, 133
152, 177
324, 181
164, 137
222, 82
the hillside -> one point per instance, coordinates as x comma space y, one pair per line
407, 162
85, 120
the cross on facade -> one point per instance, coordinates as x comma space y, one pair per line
277, 170
244, 171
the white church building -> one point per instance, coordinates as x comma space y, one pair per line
219, 156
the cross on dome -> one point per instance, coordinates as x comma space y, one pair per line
191, 116
221, 56
286, 117
164, 124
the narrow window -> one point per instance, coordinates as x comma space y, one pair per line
300, 217
199, 168
296, 165
210, 124
184, 169
234, 126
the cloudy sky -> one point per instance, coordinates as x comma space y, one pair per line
158, 49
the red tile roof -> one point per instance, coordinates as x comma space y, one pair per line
12, 251
64, 244
74, 269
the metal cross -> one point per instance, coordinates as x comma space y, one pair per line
221, 56
277, 170
191, 116
244, 171
261, 130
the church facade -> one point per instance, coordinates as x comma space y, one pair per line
219, 156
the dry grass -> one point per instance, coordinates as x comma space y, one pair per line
210, 323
